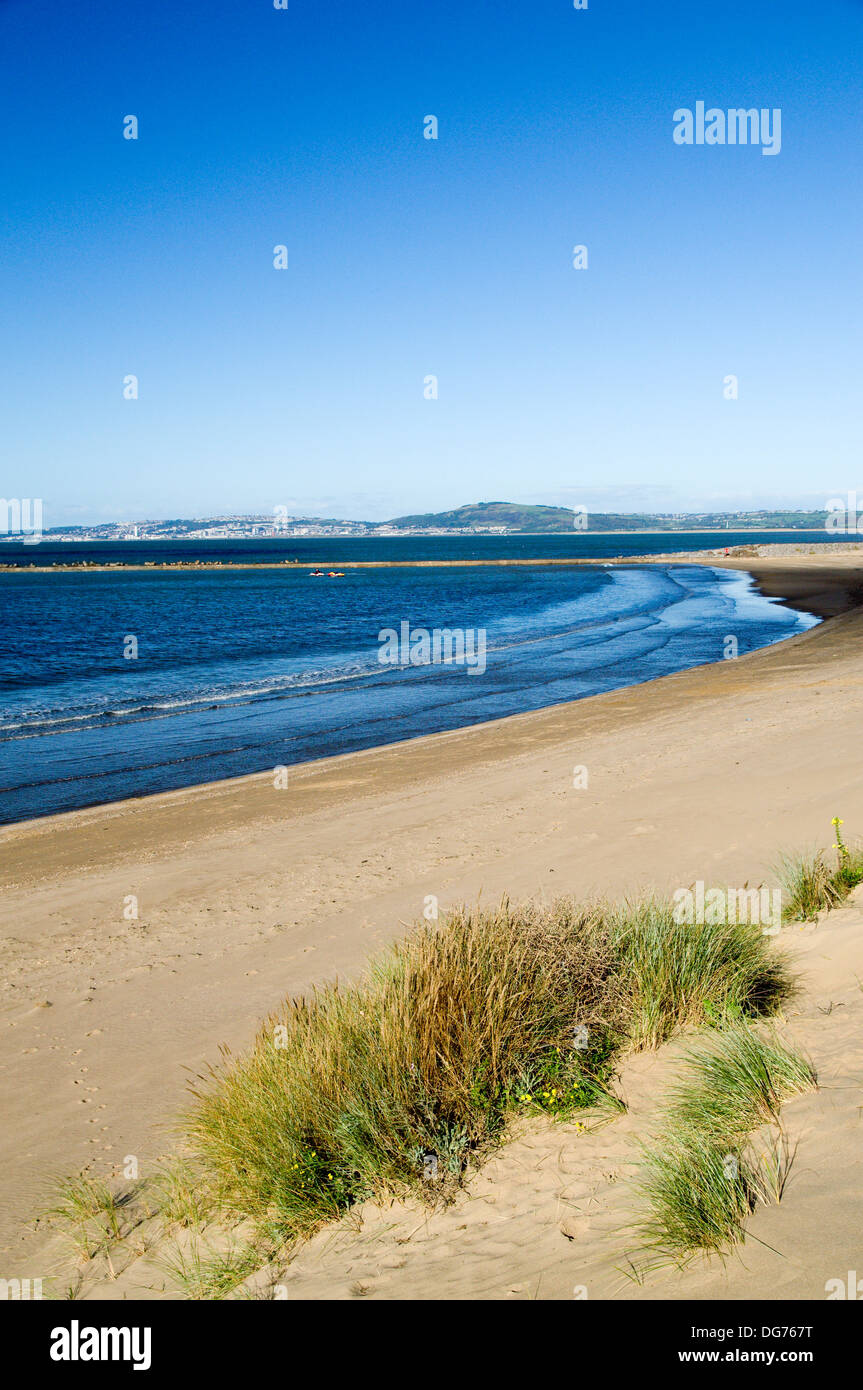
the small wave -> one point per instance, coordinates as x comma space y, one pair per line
627, 601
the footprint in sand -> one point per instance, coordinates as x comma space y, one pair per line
574, 1227
393, 1262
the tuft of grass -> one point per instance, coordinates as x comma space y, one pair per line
207, 1275
90, 1214
811, 885
739, 1083
700, 1179
697, 1196
182, 1195
681, 975
808, 886
403, 1080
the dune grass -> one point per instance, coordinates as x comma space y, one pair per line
89, 1212
204, 1274
739, 1083
681, 976
401, 1081
181, 1194
700, 1180
812, 885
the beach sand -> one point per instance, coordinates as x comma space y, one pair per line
247, 893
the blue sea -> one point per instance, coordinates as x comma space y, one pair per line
241, 670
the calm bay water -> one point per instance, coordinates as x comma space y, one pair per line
242, 670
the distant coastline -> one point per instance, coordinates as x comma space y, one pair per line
738, 540
473, 520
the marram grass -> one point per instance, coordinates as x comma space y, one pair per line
681, 975
699, 1178
401, 1081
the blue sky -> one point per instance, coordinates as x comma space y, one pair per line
409, 257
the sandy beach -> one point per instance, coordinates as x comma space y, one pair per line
247, 893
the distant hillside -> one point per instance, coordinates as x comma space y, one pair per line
507, 514
540, 518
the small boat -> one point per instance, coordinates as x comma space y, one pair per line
316, 574
336, 574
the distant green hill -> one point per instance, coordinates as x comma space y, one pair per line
507, 514
540, 518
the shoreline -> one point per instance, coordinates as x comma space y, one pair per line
823, 590
826, 589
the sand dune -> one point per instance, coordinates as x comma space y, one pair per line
551, 1216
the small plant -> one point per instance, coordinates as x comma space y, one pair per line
91, 1214
811, 886
182, 1194
808, 887
842, 851
771, 1167
204, 1274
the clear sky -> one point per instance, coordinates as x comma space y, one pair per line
410, 257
